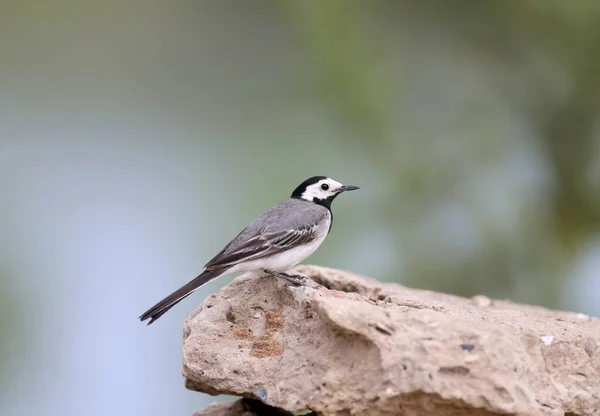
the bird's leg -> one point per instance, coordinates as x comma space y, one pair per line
294, 279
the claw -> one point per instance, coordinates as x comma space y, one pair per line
294, 279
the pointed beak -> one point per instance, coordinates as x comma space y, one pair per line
348, 188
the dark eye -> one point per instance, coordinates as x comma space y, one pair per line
324, 187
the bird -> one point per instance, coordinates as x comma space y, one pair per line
282, 237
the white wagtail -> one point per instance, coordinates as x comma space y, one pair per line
279, 239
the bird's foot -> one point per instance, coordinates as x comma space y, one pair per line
294, 279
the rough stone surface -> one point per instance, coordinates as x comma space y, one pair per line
360, 347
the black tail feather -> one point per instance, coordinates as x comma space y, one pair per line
184, 291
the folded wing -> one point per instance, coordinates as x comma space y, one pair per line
263, 243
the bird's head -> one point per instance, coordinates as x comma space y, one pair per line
321, 190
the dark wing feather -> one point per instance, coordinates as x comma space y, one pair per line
214, 262
263, 244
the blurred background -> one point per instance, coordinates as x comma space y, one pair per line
138, 137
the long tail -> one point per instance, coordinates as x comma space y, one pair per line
184, 291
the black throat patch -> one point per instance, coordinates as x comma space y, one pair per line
326, 202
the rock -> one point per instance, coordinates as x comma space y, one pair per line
355, 346
224, 409
243, 407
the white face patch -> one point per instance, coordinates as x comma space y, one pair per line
322, 189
